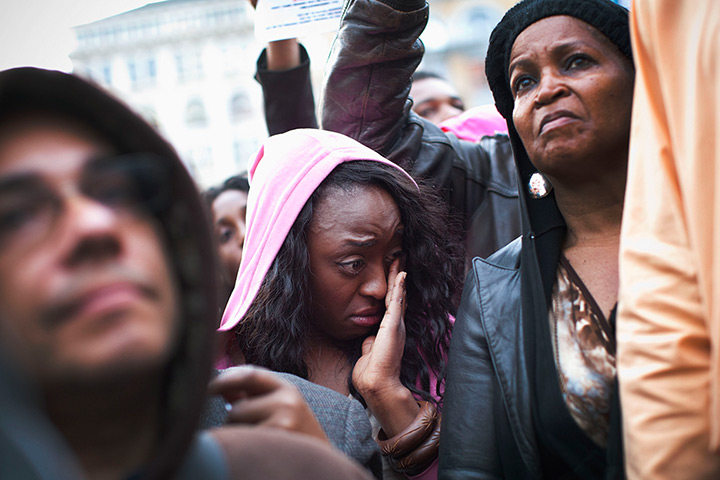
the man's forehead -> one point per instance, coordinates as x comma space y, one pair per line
46, 144
431, 88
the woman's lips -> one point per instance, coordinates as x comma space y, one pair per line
556, 120
367, 319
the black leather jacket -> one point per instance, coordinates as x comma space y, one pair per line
492, 433
287, 95
488, 427
365, 96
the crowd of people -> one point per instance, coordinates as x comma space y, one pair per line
397, 287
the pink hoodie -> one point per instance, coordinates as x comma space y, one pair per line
475, 123
286, 171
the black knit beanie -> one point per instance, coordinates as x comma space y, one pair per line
609, 18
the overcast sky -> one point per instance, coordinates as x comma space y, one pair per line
38, 32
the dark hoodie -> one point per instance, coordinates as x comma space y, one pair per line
30, 446
184, 226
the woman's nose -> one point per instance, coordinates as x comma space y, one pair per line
549, 88
375, 283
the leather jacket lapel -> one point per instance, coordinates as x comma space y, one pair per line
501, 321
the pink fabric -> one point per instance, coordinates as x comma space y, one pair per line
431, 473
286, 171
475, 123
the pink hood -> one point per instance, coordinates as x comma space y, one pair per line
475, 123
286, 171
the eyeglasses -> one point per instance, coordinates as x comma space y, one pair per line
132, 184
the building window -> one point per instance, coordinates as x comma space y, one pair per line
132, 72
189, 66
133, 31
238, 156
200, 160
244, 149
107, 74
151, 69
142, 72
473, 25
195, 115
240, 107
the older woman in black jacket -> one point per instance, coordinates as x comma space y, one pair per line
532, 390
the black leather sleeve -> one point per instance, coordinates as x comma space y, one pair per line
287, 95
468, 445
366, 97
367, 81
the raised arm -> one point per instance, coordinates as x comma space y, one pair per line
376, 51
365, 96
283, 72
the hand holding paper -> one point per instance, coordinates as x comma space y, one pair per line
281, 19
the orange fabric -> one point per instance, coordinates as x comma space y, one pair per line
669, 315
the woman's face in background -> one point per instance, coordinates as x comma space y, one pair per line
353, 239
573, 97
228, 211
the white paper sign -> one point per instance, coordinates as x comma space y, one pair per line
281, 19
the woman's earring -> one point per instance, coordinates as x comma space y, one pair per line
539, 186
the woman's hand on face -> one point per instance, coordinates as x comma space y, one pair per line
376, 375
259, 397
378, 369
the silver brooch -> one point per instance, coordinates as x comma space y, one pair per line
539, 186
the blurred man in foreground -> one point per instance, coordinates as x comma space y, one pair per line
108, 302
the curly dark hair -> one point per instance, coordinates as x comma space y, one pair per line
273, 332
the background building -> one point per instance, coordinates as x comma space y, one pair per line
456, 39
187, 66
